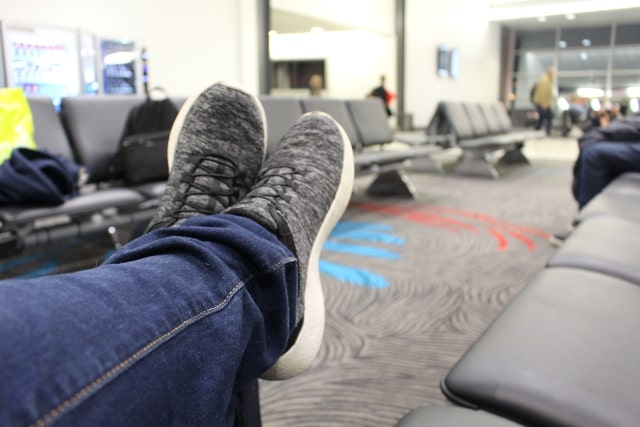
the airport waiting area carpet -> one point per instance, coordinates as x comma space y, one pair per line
409, 285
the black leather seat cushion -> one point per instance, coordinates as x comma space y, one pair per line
452, 416
605, 244
563, 353
622, 204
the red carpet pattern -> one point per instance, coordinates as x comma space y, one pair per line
470, 245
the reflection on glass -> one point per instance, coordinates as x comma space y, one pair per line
626, 58
585, 37
570, 85
534, 62
583, 59
522, 86
604, 60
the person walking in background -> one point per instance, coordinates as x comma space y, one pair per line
382, 93
543, 99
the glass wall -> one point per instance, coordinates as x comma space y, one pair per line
601, 64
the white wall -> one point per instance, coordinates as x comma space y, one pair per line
355, 59
191, 43
461, 24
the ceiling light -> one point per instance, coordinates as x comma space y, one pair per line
633, 92
563, 104
584, 56
542, 19
570, 16
562, 44
589, 92
586, 42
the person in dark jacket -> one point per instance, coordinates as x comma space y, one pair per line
382, 93
605, 153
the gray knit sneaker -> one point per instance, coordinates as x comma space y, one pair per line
216, 149
301, 193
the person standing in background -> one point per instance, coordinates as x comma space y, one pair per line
543, 99
382, 93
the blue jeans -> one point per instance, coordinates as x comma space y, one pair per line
601, 163
163, 333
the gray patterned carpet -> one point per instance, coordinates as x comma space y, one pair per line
409, 285
462, 251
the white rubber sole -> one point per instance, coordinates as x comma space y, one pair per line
299, 357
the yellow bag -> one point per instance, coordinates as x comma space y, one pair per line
16, 122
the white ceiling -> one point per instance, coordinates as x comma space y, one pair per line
286, 22
631, 15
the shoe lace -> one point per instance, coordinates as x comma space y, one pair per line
216, 178
278, 187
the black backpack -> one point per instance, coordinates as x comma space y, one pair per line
142, 155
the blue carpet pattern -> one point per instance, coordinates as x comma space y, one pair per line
408, 284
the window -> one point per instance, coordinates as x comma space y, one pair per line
534, 62
585, 37
583, 59
295, 74
628, 34
570, 85
586, 58
536, 39
626, 58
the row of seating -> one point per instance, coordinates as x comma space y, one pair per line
87, 130
564, 351
366, 124
479, 129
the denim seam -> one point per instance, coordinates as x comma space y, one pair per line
92, 387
